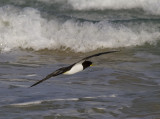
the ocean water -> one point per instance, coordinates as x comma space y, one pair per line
40, 36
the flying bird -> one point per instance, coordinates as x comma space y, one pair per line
74, 68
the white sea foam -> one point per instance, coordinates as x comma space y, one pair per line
27, 103
59, 99
26, 28
149, 6
41, 101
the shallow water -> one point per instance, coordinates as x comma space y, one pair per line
40, 36
119, 85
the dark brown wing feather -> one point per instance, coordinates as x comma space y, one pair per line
55, 73
64, 69
95, 55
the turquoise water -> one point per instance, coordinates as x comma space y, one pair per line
40, 36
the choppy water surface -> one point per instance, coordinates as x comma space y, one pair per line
120, 85
40, 36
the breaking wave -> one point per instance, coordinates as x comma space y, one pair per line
26, 28
149, 6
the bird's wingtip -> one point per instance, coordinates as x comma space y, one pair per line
31, 86
35, 84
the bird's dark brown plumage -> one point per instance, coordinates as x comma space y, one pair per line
65, 69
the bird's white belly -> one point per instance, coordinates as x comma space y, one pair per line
76, 68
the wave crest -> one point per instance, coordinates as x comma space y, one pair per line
27, 29
150, 6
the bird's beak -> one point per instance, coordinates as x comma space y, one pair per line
91, 65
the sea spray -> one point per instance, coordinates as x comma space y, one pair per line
26, 28
149, 6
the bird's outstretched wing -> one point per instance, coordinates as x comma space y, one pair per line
64, 69
55, 73
98, 54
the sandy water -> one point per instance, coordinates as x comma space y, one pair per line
119, 85
40, 36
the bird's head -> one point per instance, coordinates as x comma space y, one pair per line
86, 64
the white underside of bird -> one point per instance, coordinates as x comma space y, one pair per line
76, 68
73, 68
